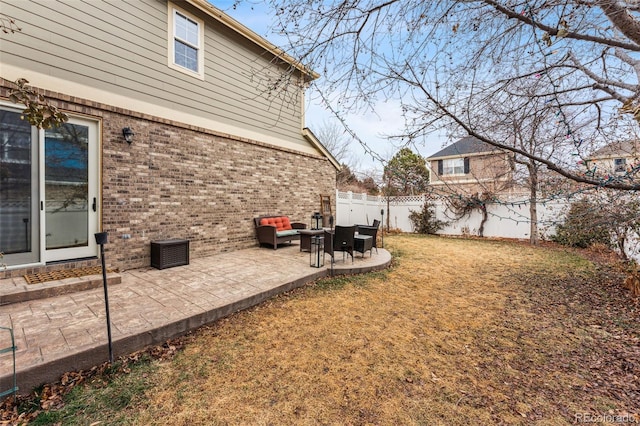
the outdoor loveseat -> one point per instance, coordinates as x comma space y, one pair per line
274, 230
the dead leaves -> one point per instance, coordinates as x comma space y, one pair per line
632, 106
51, 396
478, 340
632, 283
39, 111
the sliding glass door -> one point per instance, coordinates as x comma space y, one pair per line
48, 190
19, 229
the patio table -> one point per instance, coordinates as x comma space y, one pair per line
305, 237
362, 243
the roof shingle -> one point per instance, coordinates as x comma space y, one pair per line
466, 145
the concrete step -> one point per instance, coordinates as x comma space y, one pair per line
16, 290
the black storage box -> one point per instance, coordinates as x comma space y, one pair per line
169, 253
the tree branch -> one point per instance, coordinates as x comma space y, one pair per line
552, 31
614, 184
622, 19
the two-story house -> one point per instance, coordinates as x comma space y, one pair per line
617, 159
183, 124
470, 166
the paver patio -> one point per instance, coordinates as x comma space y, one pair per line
68, 332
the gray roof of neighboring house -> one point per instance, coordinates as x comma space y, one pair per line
620, 149
466, 145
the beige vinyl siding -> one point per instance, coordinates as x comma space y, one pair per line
121, 47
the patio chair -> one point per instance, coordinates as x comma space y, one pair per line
341, 239
376, 223
370, 230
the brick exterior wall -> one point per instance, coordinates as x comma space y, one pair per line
179, 181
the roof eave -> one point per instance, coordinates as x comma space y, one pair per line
308, 134
236, 26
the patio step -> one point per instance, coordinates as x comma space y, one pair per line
16, 290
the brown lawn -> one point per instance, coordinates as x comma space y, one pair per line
458, 332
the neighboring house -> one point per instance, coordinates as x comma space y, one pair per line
471, 166
617, 159
216, 140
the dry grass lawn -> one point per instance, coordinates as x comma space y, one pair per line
458, 332
450, 336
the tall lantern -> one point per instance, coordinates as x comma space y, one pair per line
316, 251
317, 218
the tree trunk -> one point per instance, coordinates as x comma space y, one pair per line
621, 240
485, 216
533, 203
388, 208
533, 228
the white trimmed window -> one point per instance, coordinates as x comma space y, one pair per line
453, 166
186, 42
620, 165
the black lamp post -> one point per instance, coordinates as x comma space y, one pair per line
382, 228
318, 219
101, 239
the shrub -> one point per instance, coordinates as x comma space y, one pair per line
584, 226
425, 221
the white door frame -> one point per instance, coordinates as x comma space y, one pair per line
93, 193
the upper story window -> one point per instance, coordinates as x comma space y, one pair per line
186, 42
453, 166
620, 165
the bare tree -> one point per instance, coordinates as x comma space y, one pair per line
527, 123
337, 141
448, 60
464, 205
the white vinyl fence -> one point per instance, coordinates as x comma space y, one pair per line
508, 219
362, 209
